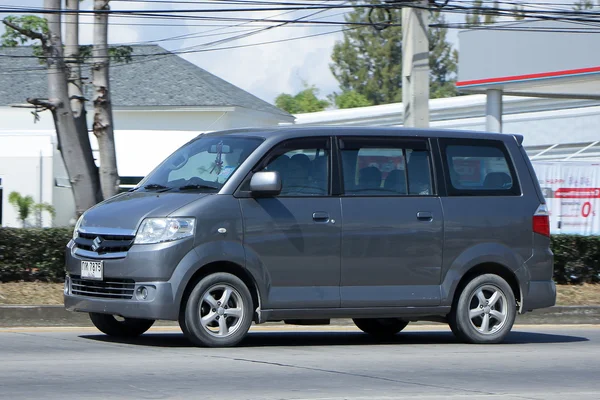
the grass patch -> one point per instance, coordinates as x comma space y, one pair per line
43, 293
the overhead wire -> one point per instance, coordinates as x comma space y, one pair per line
451, 8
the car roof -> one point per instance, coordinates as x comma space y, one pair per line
290, 132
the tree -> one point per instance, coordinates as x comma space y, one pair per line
350, 99
25, 205
75, 150
518, 12
303, 102
583, 5
103, 120
67, 102
443, 60
479, 10
369, 61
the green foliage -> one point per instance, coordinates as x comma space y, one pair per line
303, 102
25, 205
518, 12
33, 23
443, 61
13, 38
350, 99
369, 62
583, 5
576, 259
480, 11
33, 254
117, 53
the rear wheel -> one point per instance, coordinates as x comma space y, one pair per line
120, 327
218, 312
380, 327
485, 310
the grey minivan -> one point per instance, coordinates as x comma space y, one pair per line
382, 225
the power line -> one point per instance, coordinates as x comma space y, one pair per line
176, 52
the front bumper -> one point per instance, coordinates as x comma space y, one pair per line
159, 303
138, 285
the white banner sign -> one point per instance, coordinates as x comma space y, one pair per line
572, 192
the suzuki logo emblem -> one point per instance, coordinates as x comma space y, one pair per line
97, 243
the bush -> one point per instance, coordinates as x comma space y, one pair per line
38, 254
576, 259
33, 254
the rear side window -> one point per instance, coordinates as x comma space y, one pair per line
385, 167
478, 168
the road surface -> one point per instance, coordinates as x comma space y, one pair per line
333, 363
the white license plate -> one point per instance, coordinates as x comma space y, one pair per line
92, 270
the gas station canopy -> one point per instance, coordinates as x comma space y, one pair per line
535, 58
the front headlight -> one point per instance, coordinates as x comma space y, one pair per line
157, 230
77, 226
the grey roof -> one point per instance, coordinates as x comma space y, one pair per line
148, 80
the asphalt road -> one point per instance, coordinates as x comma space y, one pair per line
549, 362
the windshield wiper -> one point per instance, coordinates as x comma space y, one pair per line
197, 186
156, 186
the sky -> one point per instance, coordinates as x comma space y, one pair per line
264, 71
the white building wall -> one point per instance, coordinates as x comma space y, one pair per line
143, 138
26, 167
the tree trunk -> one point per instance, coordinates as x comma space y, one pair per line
103, 121
74, 66
75, 152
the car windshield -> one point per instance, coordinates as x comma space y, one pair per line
204, 164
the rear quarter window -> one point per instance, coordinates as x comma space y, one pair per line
478, 168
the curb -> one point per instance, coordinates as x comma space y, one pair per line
24, 316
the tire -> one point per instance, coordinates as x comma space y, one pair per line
181, 321
127, 328
493, 297
380, 327
213, 300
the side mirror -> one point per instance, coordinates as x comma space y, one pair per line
265, 184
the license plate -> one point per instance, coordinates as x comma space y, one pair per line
92, 270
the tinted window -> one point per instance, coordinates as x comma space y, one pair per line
380, 167
479, 168
303, 166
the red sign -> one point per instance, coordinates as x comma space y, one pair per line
577, 193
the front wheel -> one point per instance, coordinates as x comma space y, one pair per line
124, 328
218, 312
485, 310
380, 327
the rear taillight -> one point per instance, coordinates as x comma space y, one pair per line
541, 221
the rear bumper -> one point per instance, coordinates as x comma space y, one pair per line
540, 294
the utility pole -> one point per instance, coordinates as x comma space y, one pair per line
415, 64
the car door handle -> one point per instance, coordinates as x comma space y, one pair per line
320, 216
424, 216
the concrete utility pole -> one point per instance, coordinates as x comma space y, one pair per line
415, 65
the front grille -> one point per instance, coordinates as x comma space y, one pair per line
112, 288
103, 244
